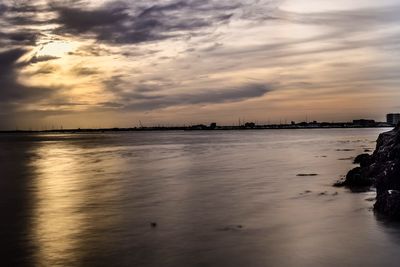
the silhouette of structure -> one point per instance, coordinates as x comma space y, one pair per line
363, 122
393, 118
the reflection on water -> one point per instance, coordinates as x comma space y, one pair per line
57, 223
74, 202
219, 199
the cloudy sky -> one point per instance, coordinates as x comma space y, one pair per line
112, 63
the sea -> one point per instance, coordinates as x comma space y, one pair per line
189, 198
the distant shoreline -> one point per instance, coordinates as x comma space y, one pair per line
200, 128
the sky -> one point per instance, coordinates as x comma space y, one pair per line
122, 63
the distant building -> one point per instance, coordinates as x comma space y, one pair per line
250, 125
393, 118
364, 122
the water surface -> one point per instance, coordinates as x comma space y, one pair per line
219, 198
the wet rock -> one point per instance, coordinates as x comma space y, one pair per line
364, 160
388, 204
231, 228
358, 178
349, 158
307, 174
340, 183
382, 170
306, 192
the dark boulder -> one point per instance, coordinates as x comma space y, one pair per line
364, 160
357, 177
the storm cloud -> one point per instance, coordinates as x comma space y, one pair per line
119, 22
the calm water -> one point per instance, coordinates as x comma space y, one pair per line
219, 199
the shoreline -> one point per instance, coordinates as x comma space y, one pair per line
191, 128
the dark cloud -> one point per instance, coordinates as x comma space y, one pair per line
3, 9
118, 22
11, 90
18, 38
25, 13
9, 58
37, 59
20, 102
144, 100
91, 50
80, 20
19, 21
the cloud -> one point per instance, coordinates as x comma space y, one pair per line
19, 22
25, 13
13, 92
145, 99
120, 23
80, 70
92, 50
45, 69
37, 59
21, 37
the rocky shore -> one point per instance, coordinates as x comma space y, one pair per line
380, 170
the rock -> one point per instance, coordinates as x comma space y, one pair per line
306, 192
340, 183
153, 224
364, 160
349, 158
307, 174
382, 170
388, 203
231, 228
357, 178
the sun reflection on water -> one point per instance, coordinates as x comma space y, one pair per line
68, 205
57, 224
